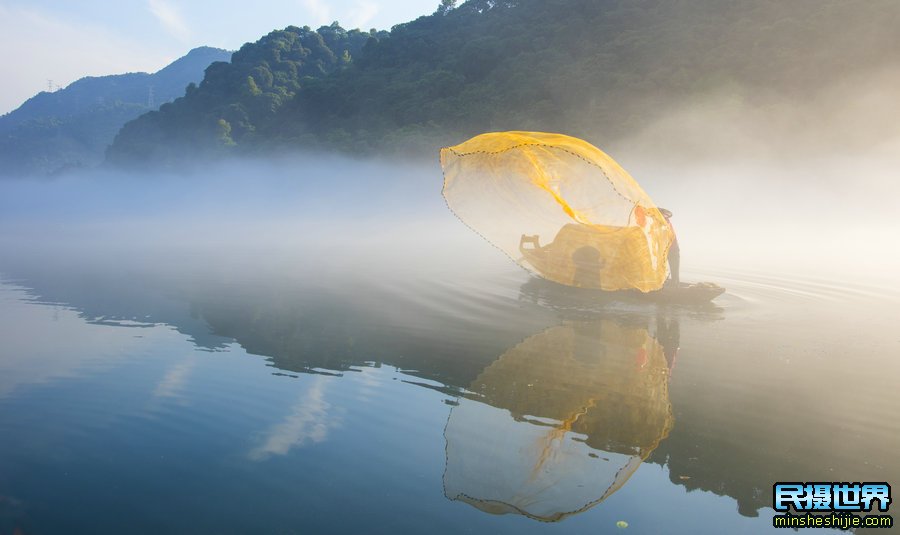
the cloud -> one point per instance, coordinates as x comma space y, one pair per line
89, 50
362, 14
308, 422
319, 11
171, 19
174, 380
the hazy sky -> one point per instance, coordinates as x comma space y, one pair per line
64, 40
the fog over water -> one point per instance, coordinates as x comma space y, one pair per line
805, 184
756, 182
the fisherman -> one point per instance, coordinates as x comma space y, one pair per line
674, 251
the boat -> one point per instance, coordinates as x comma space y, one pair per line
684, 293
582, 259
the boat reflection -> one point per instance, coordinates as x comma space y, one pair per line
559, 422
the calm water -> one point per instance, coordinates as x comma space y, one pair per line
177, 397
178, 360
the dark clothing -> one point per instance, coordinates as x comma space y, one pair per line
674, 255
675, 262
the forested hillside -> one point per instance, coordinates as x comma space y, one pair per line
236, 102
594, 68
71, 127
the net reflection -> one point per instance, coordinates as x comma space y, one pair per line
560, 422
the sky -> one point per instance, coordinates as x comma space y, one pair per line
62, 40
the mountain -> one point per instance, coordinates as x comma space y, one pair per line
72, 127
600, 69
236, 100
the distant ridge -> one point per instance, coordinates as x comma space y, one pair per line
71, 128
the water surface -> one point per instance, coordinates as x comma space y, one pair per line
199, 362
166, 400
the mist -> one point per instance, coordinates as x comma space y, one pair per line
758, 183
319, 216
781, 185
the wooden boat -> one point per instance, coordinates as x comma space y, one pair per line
697, 293
685, 293
582, 260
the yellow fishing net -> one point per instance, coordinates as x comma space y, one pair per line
560, 207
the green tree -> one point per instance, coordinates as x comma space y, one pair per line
445, 6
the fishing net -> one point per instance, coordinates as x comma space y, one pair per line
559, 422
559, 207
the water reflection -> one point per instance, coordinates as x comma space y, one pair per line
561, 421
572, 302
173, 383
600, 374
308, 421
